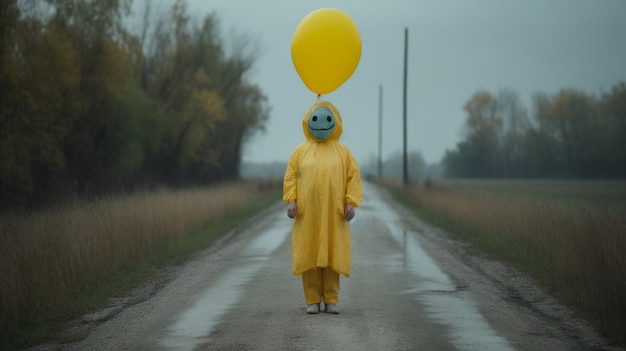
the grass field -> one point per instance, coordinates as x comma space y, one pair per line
60, 263
569, 235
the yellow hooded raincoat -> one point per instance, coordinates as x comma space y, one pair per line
322, 177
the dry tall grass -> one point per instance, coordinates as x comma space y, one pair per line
576, 248
49, 256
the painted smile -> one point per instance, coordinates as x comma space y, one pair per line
329, 128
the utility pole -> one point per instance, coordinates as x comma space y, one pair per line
405, 169
380, 131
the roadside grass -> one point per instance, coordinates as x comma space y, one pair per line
569, 235
58, 264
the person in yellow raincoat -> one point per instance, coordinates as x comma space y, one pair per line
322, 187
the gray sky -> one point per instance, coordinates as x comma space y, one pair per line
455, 49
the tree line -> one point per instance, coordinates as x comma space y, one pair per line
570, 134
89, 106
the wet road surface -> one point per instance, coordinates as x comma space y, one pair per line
410, 288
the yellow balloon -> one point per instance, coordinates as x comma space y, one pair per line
326, 49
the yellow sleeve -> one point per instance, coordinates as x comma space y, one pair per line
354, 188
291, 178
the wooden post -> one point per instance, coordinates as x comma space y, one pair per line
380, 131
404, 155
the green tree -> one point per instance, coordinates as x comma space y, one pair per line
247, 112
134, 134
181, 75
210, 107
572, 113
612, 139
40, 102
481, 149
88, 106
514, 125
94, 29
541, 142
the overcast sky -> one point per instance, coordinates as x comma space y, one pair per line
455, 49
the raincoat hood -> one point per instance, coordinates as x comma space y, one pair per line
338, 123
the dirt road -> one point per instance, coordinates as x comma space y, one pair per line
411, 288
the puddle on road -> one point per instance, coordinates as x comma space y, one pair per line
468, 329
194, 325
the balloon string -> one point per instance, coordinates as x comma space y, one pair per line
318, 98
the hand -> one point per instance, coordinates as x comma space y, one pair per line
349, 212
292, 211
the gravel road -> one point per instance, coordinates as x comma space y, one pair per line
411, 288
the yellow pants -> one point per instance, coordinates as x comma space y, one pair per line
320, 284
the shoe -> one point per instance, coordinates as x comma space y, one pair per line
313, 308
332, 309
